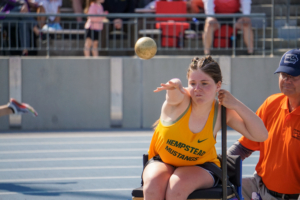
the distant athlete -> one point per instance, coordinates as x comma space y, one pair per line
15, 107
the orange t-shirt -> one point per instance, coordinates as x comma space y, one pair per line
279, 161
177, 145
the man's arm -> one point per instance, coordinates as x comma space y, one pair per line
238, 149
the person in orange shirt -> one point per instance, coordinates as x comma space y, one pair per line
185, 136
277, 173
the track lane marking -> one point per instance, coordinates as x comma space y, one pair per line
66, 179
71, 143
68, 191
68, 159
70, 168
69, 151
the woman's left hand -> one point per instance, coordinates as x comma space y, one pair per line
227, 99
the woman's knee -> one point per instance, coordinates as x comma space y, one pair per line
177, 189
211, 23
41, 9
154, 189
95, 43
156, 177
155, 186
244, 23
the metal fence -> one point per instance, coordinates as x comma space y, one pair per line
16, 34
286, 26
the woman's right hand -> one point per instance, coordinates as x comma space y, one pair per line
172, 84
226, 99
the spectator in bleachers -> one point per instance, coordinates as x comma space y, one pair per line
77, 7
49, 7
25, 24
226, 7
93, 26
119, 6
197, 6
152, 4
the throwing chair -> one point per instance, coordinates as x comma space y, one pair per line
231, 172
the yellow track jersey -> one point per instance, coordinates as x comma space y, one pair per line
178, 146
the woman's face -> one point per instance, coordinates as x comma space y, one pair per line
202, 87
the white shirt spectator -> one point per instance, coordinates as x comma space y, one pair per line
51, 6
209, 7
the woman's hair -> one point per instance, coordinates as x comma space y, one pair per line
88, 3
208, 65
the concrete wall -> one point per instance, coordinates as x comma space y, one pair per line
253, 79
74, 93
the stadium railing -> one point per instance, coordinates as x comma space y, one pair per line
70, 40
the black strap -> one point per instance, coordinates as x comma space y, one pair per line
218, 172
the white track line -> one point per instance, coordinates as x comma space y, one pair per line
100, 134
75, 135
74, 151
70, 168
81, 168
81, 142
66, 179
67, 191
68, 151
68, 159
71, 143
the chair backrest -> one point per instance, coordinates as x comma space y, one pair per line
171, 7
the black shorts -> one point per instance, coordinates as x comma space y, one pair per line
93, 34
228, 20
158, 159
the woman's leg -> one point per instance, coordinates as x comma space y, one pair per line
41, 19
211, 24
95, 48
24, 31
156, 177
245, 24
57, 19
77, 7
185, 180
87, 47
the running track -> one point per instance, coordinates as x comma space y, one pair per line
79, 165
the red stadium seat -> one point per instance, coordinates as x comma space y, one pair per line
222, 36
172, 28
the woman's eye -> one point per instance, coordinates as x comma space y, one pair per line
204, 83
